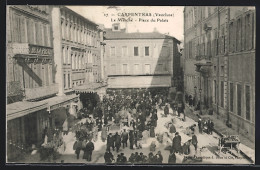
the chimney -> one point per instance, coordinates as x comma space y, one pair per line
155, 29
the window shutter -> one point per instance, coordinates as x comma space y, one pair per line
22, 26
243, 22
251, 32
15, 31
234, 36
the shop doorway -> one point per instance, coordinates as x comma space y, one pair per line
89, 100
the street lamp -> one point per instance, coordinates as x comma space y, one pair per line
200, 101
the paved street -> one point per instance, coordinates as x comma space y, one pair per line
209, 142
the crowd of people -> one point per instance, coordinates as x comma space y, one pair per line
132, 110
138, 158
134, 114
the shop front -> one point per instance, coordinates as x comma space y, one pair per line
61, 108
25, 121
91, 94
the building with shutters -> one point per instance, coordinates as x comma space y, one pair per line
53, 54
32, 90
79, 52
79, 42
219, 65
139, 60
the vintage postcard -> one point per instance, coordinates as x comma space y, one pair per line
130, 85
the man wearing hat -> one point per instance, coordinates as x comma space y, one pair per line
172, 128
137, 157
194, 140
110, 142
89, 149
121, 159
131, 139
166, 110
176, 143
132, 158
117, 141
124, 138
108, 157
172, 158
159, 157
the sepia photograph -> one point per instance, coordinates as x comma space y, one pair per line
130, 85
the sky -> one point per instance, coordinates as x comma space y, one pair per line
170, 20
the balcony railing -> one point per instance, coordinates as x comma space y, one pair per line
25, 48
40, 92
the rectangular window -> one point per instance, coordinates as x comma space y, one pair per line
215, 91
63, 29
72, 62
146, 51
124, 51
69, 80
231, 38
64, 79
147, 69
249, 31
29, 31
16, 36
136, 69
160, 68
239, 91
239, 35
23, 31
113, 69
45, 34
113, 51
247, 93
136, 51
222, 70
222, 94
37, 29
231, 93
165, 51
125, 69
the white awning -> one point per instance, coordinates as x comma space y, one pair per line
20, 109
139, 81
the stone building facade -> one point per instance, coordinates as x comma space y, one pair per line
78, 45
219, 69
139, 60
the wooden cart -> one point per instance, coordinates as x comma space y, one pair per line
229, 143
